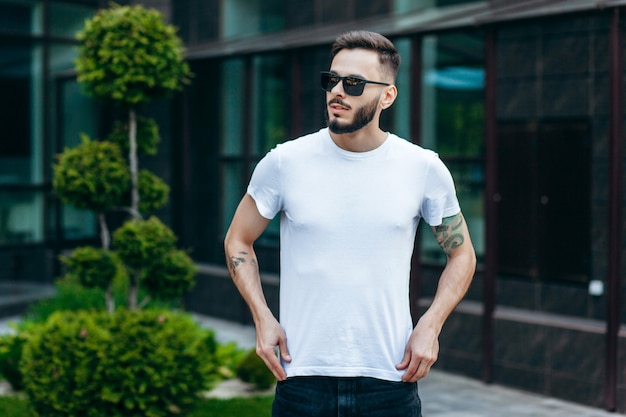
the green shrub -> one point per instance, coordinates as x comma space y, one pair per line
62, 364
144, 363
93, 267
148, 136
171, 276
10, 355
153, 190
253, 370
69, 296
140, 243
129, 55
91, 176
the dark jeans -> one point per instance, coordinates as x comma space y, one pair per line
345, 397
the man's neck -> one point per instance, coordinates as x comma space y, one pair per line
363, 140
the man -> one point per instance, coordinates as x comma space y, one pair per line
350, 197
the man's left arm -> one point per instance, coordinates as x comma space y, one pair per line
422, 349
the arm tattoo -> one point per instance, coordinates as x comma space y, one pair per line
449, 233
235, 261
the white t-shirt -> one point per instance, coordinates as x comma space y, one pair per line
348, 223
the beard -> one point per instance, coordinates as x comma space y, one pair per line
362, 117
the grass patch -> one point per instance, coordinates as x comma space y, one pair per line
15, 406
240, 407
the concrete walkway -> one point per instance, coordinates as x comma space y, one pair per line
442, 394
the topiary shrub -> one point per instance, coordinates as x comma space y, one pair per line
10, 354
148, 137
147, 363
93, 267
130, 55
153, 190
253, 370
62, 364
171, 276
92, 176
140, 243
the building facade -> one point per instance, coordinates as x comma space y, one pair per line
523, 100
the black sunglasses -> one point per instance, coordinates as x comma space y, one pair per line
353, 86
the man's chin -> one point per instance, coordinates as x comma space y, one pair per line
340, 128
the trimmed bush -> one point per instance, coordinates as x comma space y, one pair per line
172, 276
149, 363
141, 243
148, 137
153, 190
129, 55
92, 176
62, 365
10, 354
93, 267
253, 370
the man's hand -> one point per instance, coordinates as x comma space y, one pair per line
421, 352
269, 335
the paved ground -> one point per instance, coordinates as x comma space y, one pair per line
443, 394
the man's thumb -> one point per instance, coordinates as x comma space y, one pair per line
284, 352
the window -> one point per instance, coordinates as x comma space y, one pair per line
452, 125
544, 174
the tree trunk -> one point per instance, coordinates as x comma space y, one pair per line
133, 291
134, 163
105, 236
108, 297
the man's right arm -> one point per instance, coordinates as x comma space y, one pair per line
246, 227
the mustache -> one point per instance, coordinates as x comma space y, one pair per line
338, 101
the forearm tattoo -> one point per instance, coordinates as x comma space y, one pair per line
449, 233
235, 261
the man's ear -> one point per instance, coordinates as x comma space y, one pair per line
389, 96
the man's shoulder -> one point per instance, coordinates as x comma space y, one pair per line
410, 149
303, 145
311, 139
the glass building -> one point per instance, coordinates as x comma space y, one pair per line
522, 99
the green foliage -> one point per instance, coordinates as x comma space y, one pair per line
61, 364
92, 176
147, 136
129, 55
171, 276
238, 407
234, 407
71, 296
131, 363
227, 358
10, 354
153, 190
93, 267
141, 243
13, 406
253, 370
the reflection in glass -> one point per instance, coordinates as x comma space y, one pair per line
67, 19
232, 96
269, 102
21, 217
21, 117
21, 16
244, 18
453, 124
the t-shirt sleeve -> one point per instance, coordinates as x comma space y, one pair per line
265, 185
440, 199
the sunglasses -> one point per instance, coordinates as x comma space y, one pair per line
353, 86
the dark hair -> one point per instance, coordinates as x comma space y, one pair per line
387, 53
